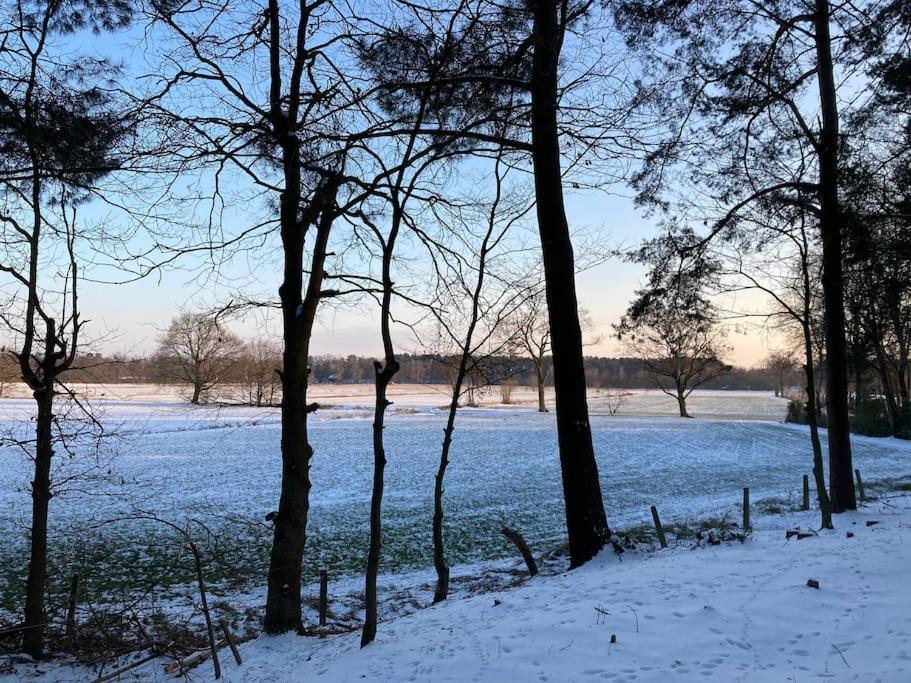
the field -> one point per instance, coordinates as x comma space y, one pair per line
219, 466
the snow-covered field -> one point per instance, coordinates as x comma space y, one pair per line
220, 465
739, 405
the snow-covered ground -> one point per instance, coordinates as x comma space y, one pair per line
733, 612
727, 613
220, 464
708, 403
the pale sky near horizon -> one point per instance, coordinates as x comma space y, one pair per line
136, 312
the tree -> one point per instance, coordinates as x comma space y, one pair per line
260, 367
529, 330
471, 306
760, 81
673, 328
501, 85
776, 257
200, 352
60, 135
253, 92
9, 371
780, 365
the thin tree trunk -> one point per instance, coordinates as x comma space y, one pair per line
439, 558
34, 623
841, 472
384, 373
539, 376
822, 495
888, 390
586, 521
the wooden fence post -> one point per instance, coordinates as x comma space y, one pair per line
230, 640
746, 508
860, 486
658, 528
323, 596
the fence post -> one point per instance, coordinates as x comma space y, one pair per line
323, 596
860, 486
658, 528
746, 508
806, 492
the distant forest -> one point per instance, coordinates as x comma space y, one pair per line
415, 369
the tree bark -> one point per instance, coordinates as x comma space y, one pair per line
841, 471
586, 521
34, 623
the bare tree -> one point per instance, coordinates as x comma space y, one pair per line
260, 368
672, 327
502, 85
60, 135
780, 365
529, 330
474, 301
199, 351
775, 256
9, 371
251, 94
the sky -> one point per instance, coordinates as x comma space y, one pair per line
132, 315
129, 317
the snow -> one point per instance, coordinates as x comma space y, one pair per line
181, 463
731, 612
734, 612
713, 403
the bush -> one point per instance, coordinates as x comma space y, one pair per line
796, 412
870, 418
903, 429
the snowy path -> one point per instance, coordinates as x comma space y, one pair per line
728, 613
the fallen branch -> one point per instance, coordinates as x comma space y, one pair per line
520, 543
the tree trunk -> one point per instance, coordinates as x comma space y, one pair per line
384, 372
841, 472
825, 509
539, 376
439, 558
586, 521
283, 601
34, 623
887, 389
681, 403
197, 391
383, 376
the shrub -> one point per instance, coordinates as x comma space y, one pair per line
870, 418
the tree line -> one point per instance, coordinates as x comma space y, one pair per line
415, 158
